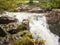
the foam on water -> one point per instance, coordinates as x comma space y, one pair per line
38, 27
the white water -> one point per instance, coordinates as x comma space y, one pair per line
38, 27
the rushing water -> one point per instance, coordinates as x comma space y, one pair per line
38, 26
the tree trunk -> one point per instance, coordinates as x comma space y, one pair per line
31, 1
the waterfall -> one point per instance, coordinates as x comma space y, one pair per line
38, 27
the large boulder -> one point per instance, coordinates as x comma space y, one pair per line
14, 27
7, 23
6, 19
53, 20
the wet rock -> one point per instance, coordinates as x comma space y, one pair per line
2, 33
36, 10
28, 8
7, 23
13, 31
7, 19
53, 20
13, 28
25, 22
9, 26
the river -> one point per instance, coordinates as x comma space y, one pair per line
38, 26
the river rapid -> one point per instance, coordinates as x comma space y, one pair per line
38, 26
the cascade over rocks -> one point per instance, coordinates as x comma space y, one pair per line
38, 26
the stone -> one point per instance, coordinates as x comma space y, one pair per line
25, 22
53, 20
56, 10
36, 10
28, 8
6, 19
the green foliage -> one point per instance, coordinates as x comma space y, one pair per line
30, 1
7, 5
49, 4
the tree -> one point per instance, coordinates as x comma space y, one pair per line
30, 1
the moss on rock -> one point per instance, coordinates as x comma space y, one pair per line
27, 41
23, 41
